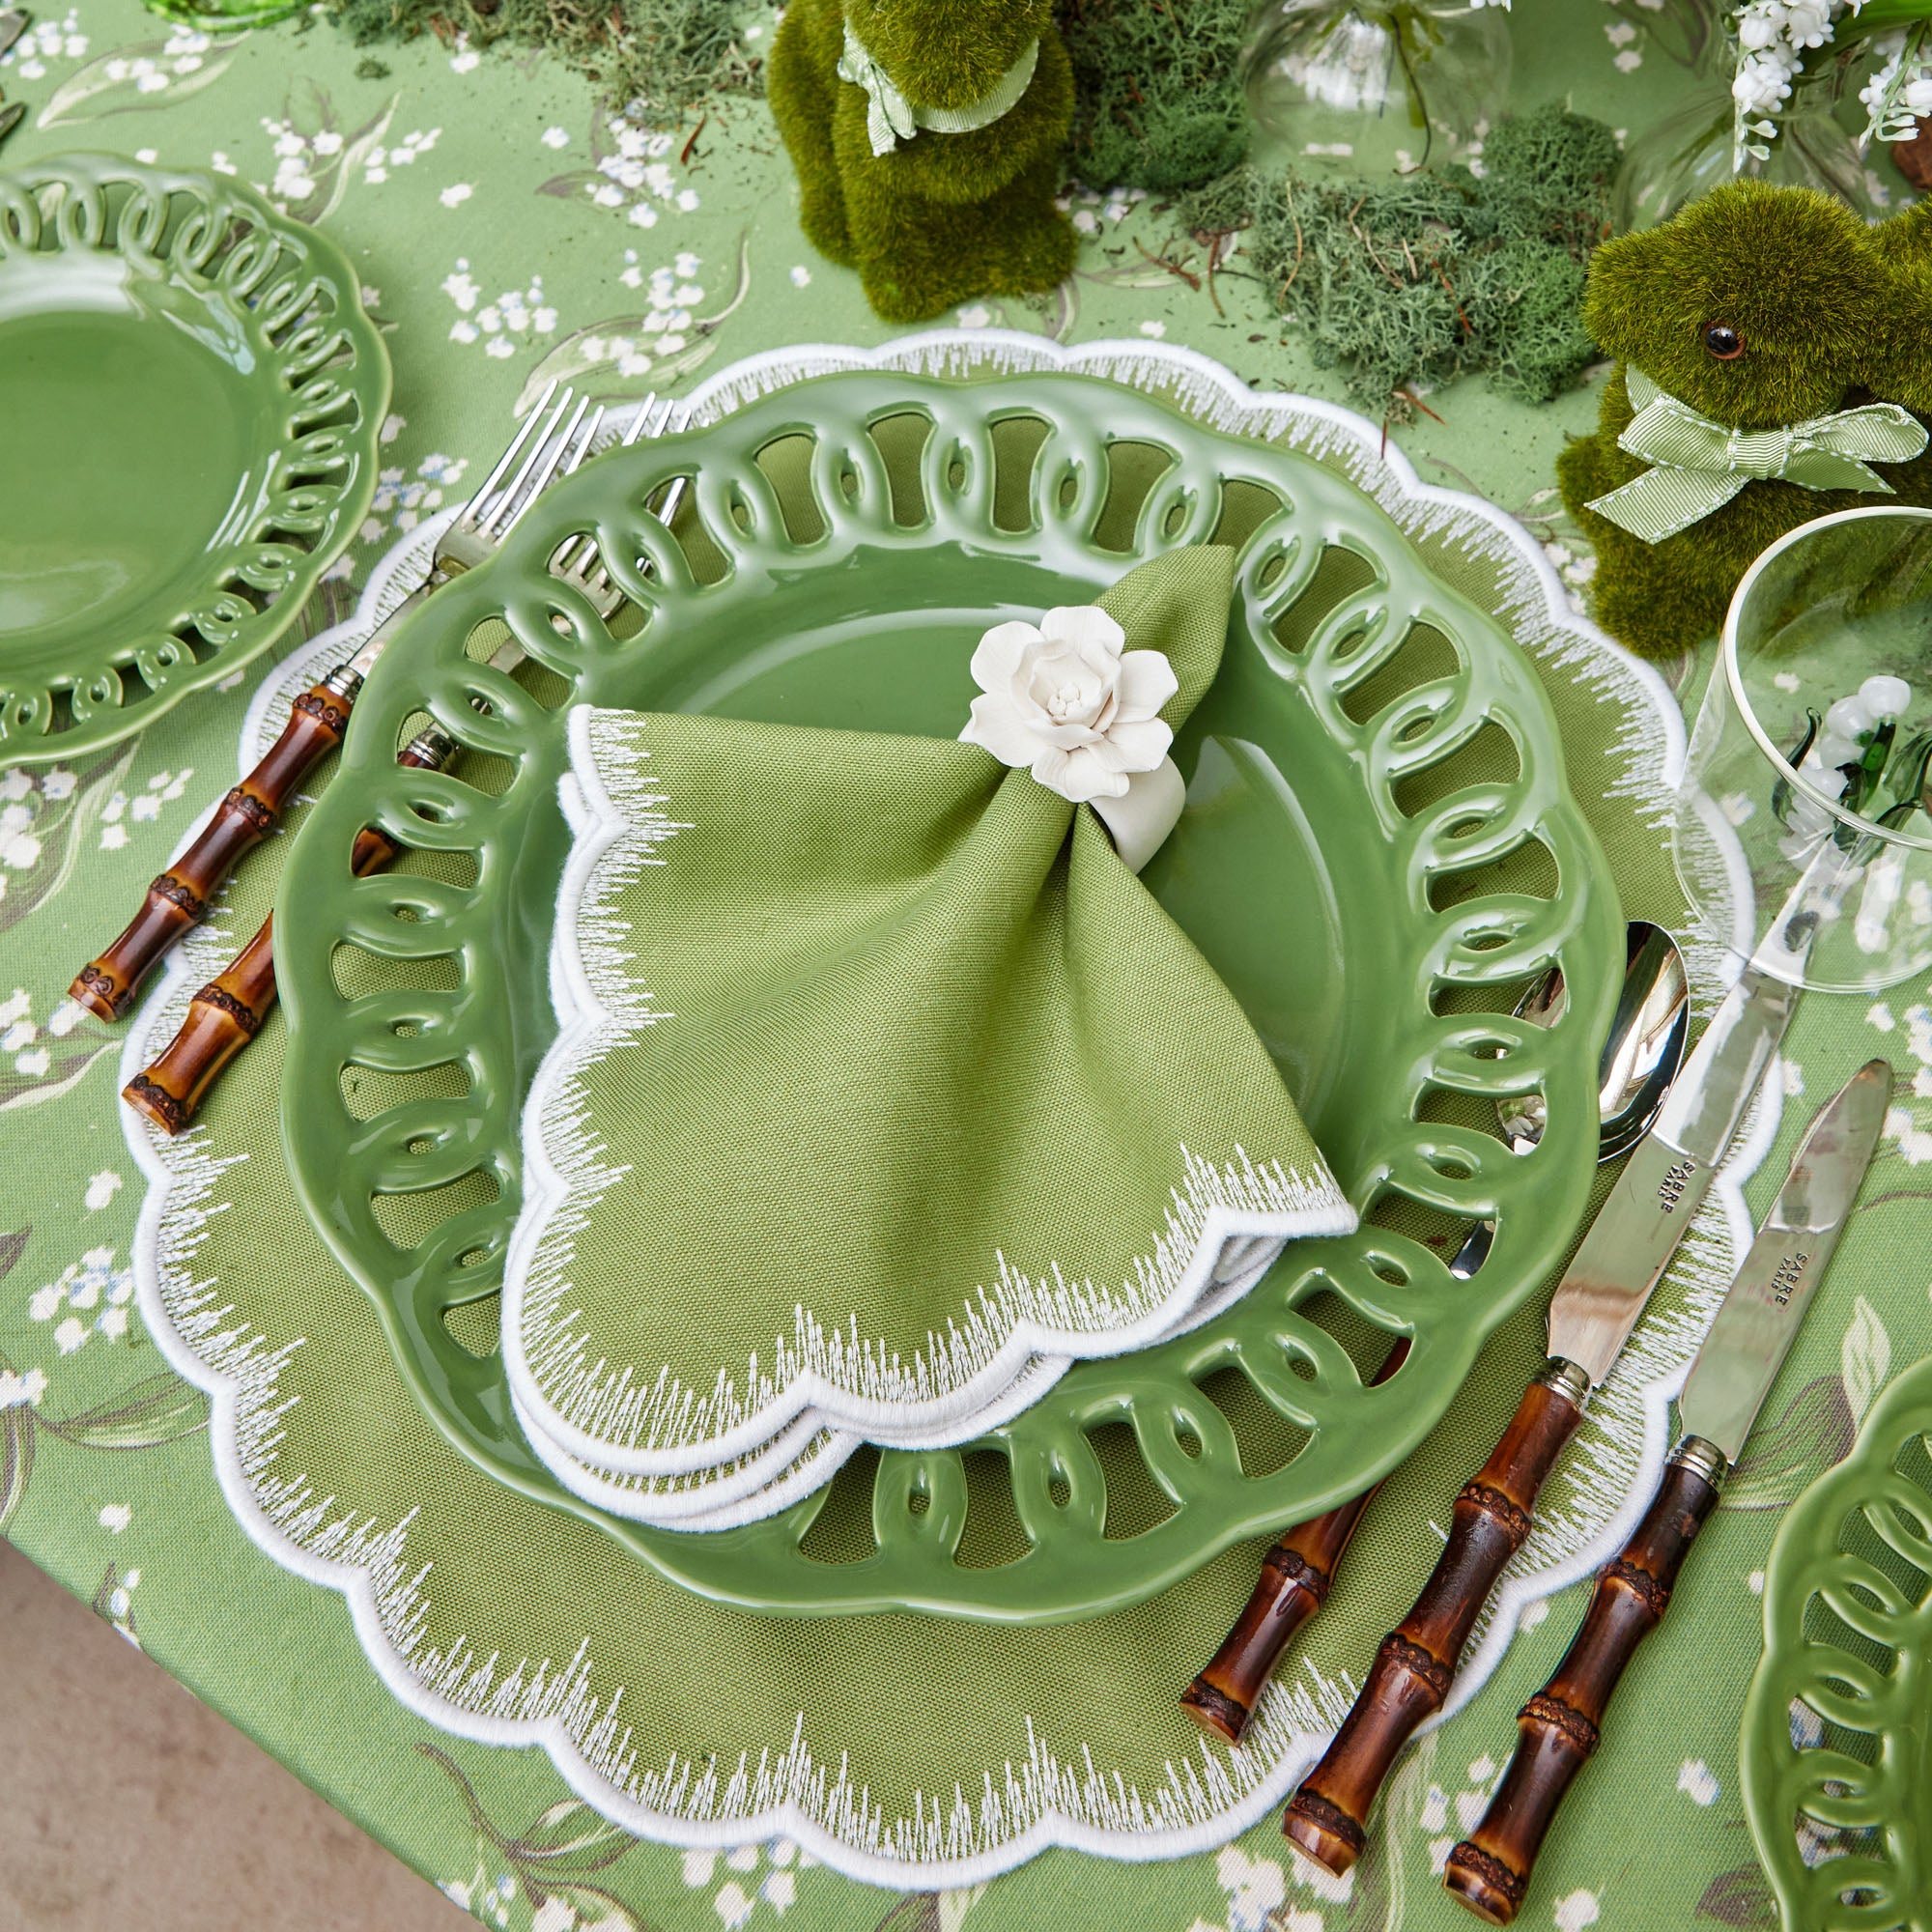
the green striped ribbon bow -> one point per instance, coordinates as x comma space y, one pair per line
891, 118
1701, 465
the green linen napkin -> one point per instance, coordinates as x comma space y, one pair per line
880, 1072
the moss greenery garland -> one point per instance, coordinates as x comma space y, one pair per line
1157, 83
1436, 274
665, 54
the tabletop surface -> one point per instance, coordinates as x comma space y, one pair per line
508, 230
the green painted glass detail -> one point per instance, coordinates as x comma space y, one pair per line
1378, 850
1836, 1746
193, 394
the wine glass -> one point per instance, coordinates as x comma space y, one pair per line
1808, 769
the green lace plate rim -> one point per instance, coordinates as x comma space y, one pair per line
342, 1165
299, 300
1643, 746
1867, 1826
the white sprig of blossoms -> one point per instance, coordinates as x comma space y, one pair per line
1774, 37
1901, 90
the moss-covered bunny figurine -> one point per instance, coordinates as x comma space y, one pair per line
926, 135
1765, 339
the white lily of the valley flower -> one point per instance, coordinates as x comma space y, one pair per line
1071, 704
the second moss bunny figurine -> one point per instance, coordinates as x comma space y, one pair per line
1774, 357
926, 135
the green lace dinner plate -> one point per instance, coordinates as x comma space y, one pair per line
1836, 1744
1378, 850
191, 394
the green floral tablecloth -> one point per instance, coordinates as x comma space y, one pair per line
508, 231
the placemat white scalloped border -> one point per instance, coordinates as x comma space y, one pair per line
1204, 1803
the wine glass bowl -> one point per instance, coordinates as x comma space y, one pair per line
1811, 759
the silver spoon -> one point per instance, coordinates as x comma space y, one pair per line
1641, 1054
1640, 1057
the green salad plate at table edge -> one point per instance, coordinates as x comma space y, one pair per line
1835, 1748
192, 395
1378, 850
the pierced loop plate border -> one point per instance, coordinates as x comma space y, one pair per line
1866, 1827
298, 302
1073, 1569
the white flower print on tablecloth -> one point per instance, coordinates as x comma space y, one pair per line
402, 502
317, 160
1267, 1894
114, 1601
654, 347
45, 44
748, 1879
1576, 1910
633, 172
91, 1298
513, 319
22, 1391
124, 811
142, 75
1908, 1125
1091, 210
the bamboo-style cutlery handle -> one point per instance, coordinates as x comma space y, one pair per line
228, 1012
181, 896
1416, 1663
1296, 1577
1489, 1871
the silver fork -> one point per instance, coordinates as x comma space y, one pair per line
579, 563
550, 446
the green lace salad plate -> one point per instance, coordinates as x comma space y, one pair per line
1836, 1744
1378, 850
192, 395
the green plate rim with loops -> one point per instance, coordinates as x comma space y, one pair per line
166, 256
810, 536
1842, 1542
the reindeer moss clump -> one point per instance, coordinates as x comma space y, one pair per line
1157, 90
1436, 274
666, 54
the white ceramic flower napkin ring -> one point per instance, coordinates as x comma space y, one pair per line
881, 1077
1080, 711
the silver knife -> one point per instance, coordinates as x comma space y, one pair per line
1756, 1323
12, 24
1647, 1211
1760, 1315
1645, 1215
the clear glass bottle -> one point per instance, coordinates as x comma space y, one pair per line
1362, 89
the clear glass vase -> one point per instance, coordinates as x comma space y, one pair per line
1363, 88
1692, 150
1690, 33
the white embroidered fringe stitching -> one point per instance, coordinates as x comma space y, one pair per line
1202, 1802
599, 1414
